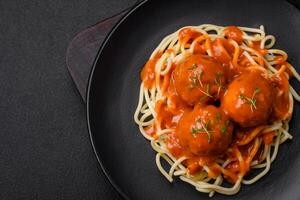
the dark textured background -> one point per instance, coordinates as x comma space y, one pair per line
45, 152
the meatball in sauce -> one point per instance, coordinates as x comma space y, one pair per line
198, 78
248, 99
204, 131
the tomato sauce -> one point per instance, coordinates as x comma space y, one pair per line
281, 100
234, 33
188, 34
148, 72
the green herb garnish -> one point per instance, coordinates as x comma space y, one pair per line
194, 66
218, 80
207, 92
204, 129
256, 91
196, 80
252, 101
218, 116
225, 127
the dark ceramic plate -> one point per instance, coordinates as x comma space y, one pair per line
124, 155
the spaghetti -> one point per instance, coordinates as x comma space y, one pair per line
215, 103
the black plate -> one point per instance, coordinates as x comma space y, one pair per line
125, 156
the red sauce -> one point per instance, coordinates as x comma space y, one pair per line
234, 33
148, 72
288, 68
164, 116
214, 171
188, 34
196, 163
176, 105
150, 130
193, 166
200, 49
173, 145
256, 46
281, 100
233, 167
268, 137
220, 52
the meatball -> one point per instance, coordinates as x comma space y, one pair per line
204, 131
248, 99
198, 78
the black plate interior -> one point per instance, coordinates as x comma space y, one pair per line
126, 157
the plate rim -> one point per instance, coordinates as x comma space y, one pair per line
90, 79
